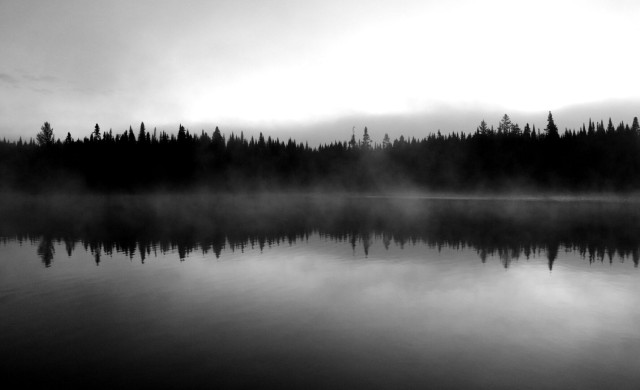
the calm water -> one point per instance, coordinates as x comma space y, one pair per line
316, 292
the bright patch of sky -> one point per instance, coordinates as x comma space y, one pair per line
265, 64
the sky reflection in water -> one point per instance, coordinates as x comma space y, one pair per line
318, 312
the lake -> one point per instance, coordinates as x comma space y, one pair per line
201, 290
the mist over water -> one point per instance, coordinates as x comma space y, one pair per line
319, 291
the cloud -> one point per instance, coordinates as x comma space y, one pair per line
7, 78
303, 69
33, 82
44, 91
43, 78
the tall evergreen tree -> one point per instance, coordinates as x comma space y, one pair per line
366, 139
132, 137
182, 134
483, 129
552, 129
45, 136
352, 142
386, 142
610, 128
505, 126
142, 135
515, 130
217, 139
96, 133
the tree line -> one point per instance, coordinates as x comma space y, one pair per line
595, 157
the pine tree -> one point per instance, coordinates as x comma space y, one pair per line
552, 129
132, 137
182, 134
515, 130
96, 133
142, 135
352, 142
483, 129
366, 139
610, 128
45, 136
505, 126
386, 142
217, 140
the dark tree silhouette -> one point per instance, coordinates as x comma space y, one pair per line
505, 125
366, 139
45, 136
352, 142
96, 133
483, 129
386, 141
142, 135
182, 134
610, 128
593, 158
46, 251
491, 227
551, 129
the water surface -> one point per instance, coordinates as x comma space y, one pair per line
316, 292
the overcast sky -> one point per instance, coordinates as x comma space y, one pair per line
314, 69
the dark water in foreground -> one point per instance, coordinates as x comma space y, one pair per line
319, 292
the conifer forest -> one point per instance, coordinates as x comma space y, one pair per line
596, 157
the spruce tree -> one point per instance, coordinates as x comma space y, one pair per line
483, 129
96, 133
366, 139
132, 137
45, 136
142, 135
352, 142
552, 129
386, 142
610, 128
505, 126
182, 134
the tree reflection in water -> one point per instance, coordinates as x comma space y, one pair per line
145, 226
